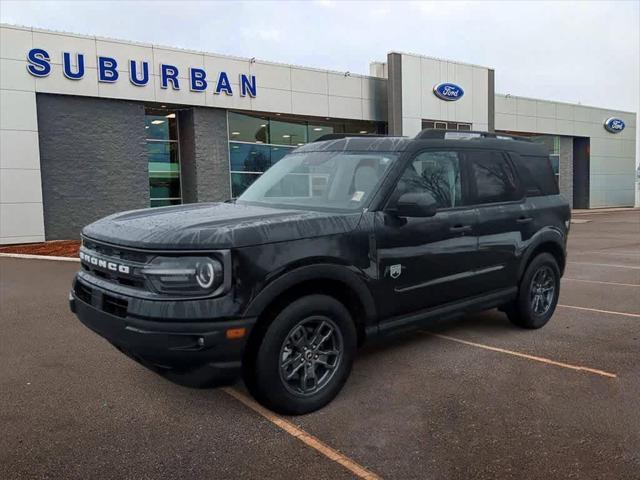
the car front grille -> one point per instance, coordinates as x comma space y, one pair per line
119, 256
108, 303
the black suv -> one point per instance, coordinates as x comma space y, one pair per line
343, 240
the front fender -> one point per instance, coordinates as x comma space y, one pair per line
331, 272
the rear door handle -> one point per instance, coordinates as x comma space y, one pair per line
460, 228
524, 219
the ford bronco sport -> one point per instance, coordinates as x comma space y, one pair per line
343, 240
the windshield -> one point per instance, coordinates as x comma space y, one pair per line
334, 180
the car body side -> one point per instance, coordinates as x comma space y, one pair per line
391, 273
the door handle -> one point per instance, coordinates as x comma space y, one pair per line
524, 219
460, 228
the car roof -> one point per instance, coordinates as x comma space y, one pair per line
429, 138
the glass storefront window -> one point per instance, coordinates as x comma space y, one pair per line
288, 133
241, 181
257, 142
246, 128
163, 155
160, 126
315, 131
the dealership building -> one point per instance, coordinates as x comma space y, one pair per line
91, 126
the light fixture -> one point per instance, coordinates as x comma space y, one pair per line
286, 136
263, 125
235, 133
171, 115
254, 153
157, 122
146, 126
163, 106
235, 147
300, 144
317, 129
363, 131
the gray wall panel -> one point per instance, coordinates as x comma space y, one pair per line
566, 168
92, 158
211, 150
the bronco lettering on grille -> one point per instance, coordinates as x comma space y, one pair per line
107, 265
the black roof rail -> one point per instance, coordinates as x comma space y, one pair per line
437, 133
338, 136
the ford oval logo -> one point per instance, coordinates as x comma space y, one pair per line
448, 91
614, 125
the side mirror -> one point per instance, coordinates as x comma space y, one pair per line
415, 205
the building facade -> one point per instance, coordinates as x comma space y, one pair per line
91, 126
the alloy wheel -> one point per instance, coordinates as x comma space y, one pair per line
310, 355
542, 290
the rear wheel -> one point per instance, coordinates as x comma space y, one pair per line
305, 356
538, 293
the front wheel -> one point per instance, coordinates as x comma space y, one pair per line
538, 294
305, 356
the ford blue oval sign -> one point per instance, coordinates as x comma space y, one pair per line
448, 91
614, 125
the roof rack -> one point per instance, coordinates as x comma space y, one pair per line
338, 136
437, 133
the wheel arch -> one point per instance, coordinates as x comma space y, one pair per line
548, 241
336, 281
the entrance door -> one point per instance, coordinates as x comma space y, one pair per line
424, 262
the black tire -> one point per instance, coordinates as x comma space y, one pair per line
290, 347
536, 304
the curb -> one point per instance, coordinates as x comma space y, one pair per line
39, 257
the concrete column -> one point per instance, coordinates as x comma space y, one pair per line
566, 168
394, 93
204, 155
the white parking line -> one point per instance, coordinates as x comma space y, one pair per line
625, 314
306, 438
601, 282
615, 265
524, 355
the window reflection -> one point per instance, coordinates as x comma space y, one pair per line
163, 156
247, 128
256, 142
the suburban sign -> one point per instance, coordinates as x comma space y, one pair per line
73, 68
448, 91
614, 125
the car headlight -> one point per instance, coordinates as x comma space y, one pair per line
184, 275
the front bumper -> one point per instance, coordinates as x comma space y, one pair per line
165, 345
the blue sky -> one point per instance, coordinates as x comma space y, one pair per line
587, 52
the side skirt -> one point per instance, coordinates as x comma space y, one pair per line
443, 312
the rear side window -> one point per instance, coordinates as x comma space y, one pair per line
537, 175
436, 173
493, 177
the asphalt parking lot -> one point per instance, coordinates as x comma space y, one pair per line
474, 398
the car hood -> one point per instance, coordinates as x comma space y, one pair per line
215, 225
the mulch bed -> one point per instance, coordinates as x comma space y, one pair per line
56, 248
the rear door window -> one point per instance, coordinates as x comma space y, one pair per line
436, 173
492, 176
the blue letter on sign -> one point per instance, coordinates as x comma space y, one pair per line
39, 65
169, 72
198, 82
133, 73
247, 85
66, 66
223, 84
107, 69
